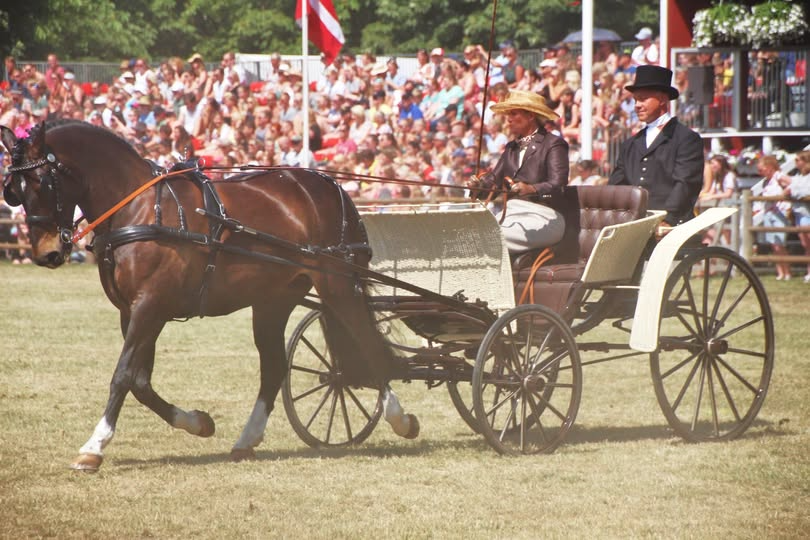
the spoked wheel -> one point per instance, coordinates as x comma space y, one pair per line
527, 381
716, 346
322, 410
461, 396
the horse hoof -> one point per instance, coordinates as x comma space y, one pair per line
413, 427
242, 454
207, 425
87, 463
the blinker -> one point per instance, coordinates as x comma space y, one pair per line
9, 196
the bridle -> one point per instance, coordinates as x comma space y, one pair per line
49, 181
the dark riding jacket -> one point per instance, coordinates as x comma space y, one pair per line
545, 164
671, 169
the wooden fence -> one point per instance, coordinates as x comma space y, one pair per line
749, 231
12, 245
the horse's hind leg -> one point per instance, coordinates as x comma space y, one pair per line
269, 323
353, 334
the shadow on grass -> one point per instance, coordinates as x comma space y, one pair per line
462, 442
380, 450
585, 435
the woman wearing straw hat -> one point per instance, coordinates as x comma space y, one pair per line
533, 164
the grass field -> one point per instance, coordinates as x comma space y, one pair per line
620, 474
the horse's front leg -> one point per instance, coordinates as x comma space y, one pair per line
268, 334
134, 373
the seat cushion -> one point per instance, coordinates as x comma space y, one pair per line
587, 210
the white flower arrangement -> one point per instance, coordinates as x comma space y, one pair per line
723, 24
774, 23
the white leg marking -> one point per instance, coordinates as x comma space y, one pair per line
102, 435
394, 415
253, 432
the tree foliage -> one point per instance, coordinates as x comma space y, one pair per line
114, 29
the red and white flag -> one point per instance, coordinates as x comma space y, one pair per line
323, 27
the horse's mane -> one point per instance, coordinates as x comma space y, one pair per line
65, 122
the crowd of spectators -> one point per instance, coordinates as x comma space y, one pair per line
365, 116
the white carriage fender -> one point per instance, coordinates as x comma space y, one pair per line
644, 334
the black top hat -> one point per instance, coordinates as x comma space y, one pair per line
654, 78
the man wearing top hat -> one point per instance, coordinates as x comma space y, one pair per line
665, 157
534, 164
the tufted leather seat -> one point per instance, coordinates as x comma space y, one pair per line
587, 209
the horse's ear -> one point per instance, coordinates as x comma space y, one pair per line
9, 139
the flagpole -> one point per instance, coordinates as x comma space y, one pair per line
305, 79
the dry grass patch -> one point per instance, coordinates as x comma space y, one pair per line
620, 474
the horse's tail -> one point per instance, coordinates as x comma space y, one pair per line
354, 338
350, 327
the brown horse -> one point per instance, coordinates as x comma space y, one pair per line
205, 268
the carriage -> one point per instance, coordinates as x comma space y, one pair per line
504, 334
410, 293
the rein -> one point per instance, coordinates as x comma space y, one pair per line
341, 175
125, 201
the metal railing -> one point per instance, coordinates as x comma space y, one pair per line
741, 90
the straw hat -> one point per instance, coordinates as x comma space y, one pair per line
380, 68
525, 101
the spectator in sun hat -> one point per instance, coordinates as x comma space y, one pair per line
297, 157
125, 82
436, 58
646, 52
100, 105
533, 164
198, 71
72, 90
146, 113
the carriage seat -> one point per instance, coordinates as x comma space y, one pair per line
587, 210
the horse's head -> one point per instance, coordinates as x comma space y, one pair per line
36, 180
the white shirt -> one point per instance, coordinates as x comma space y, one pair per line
655, 127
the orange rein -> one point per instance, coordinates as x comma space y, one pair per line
125, 201
337, 174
